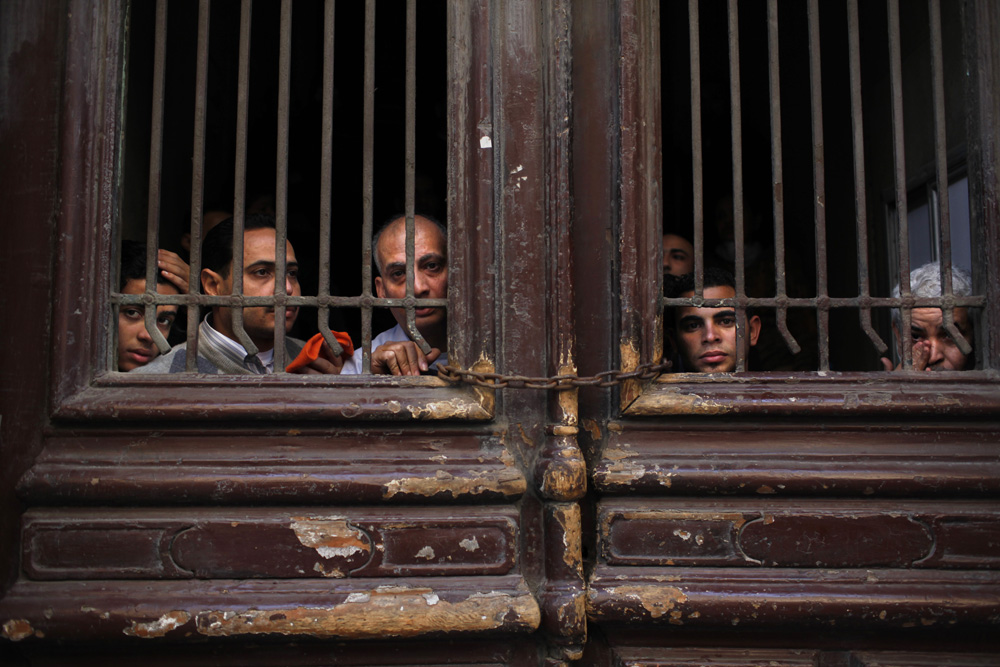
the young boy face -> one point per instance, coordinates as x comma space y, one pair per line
135, 345
706, 337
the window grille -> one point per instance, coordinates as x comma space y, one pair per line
819, 88
171, 27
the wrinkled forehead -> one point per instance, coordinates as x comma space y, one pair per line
933, 318
427, 238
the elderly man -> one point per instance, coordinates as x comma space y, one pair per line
392, 351
705, 338
933, 347
219, 349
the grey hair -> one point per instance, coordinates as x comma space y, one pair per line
925, 283
392, 220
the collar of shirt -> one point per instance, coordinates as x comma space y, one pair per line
260, 363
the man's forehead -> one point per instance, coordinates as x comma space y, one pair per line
259, 245
934, 317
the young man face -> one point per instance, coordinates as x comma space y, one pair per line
933, 348
135, 345
430, 279
706, 337
678, 255
258, 280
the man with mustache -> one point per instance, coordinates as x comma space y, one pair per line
219, 350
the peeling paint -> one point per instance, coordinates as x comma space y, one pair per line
427, 552
331, 537
507, 482
672, 401
657, 600
565, 476
158, 628
592, 428
569, 399
378, 614
455, 408
469, 544
569, 519
17, 629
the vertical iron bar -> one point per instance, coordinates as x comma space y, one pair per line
696, 150
239, 195
777, 175
819, 185
737, 141
155, 159
366, 174
899, 157
410, 168
326, 181
281, 186
860, 198
198, 181
941, 163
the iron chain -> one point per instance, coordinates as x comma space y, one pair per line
556, 382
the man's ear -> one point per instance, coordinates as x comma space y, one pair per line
379, 287
754, 329
211, 282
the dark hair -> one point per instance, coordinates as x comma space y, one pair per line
675, 287
714, 277
388, 223
217, 246
133, 266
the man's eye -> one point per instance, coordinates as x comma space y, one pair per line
690, 326
728, 321
293, 274
433, 267
133, 313
398, 275
165, 322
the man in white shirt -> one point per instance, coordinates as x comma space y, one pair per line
393, 352
219, 349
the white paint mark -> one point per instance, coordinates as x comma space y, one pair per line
432, 599
358, 597
426, 552
683, 534
469, 544
485, 142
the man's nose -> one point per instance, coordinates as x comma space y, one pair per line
936, 353
711, 333
143, 334
421, 286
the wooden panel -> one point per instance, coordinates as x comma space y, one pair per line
347, 609
762, 458
255, 543
839, 534
692, 657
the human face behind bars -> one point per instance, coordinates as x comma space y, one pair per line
706, 337
430, 275
258, 280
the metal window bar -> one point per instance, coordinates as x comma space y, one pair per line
239, 195
736, 117
367, 178
941, 160
281, 186
864, 302
697, 164
198, 181
777, 178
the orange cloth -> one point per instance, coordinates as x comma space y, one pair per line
315, 347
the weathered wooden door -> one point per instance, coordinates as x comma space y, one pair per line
515, 517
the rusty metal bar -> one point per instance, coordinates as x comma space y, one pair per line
899, 156
777, 176
155, 159
198, 181
697, 165
326, 179
736, 114
819, 185
366, 175
239, 195
941, 164
281, 186
804, 302
411, 112
860, 198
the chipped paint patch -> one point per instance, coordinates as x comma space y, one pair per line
161, 626
394, 612
470, 544
592, 428
568, 400
507, 482
565, 474
331, 537
657, 600
459, 408
569, 518
17, 629
426, 552
671, 401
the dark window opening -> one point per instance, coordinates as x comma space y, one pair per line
305, 183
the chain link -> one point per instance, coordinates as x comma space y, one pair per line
556, 382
